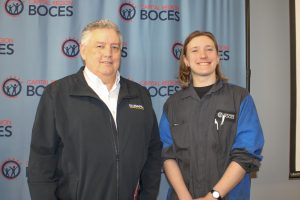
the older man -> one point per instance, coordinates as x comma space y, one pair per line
95, 136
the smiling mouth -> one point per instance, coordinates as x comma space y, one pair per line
204, 63
106, 62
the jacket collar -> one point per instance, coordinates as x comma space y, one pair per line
125, 91
190, 91
81, 88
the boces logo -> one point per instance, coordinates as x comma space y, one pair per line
127, 11
224, 52
52, 8
177, 50
124, 51
7, 46
36, 87
70, 48
152, 12
6, 128
162, 88
11, 169
12, 87
13, 7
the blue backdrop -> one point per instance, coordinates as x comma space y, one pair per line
39, 44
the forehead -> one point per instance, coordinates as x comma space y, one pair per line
105, 35
201, 41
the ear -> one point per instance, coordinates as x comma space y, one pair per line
186, 62
82, 51
218, 59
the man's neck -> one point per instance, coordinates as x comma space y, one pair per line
108, 81
202, 81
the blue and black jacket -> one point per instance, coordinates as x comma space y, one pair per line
205, 135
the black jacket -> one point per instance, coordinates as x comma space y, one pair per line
77, 153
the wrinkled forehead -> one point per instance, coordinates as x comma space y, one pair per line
105, 35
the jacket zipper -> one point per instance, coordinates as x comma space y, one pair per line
116, 147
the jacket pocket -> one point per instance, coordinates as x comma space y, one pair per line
181, 136
68, 189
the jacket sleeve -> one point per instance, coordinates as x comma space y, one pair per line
43, 156
249, 138
151, 173
166, 138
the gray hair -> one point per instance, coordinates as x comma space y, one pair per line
99, 24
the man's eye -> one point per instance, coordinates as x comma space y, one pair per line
209, 49
115, 47
100, 46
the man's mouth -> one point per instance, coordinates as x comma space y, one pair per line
106, 62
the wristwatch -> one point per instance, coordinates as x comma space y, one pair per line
216, 194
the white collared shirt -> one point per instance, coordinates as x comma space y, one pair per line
110, 98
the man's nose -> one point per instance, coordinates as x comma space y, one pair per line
107, 51
203, 53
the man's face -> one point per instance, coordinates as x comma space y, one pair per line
102, 53
202, 57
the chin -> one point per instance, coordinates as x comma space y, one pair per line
109, 73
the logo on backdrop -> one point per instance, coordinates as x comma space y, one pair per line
52, 8
70, 48
127, 11
177, 50
161, 88
13, 7
7, 46
124, 51
5, 128
224, 52
153, 12
12, 87
36, 87
11, 169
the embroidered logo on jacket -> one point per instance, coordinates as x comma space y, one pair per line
221, 116
136, 106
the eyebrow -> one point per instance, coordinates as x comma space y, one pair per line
204, 46
114, 43
100, 42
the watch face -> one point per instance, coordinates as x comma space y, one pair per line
215, 194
